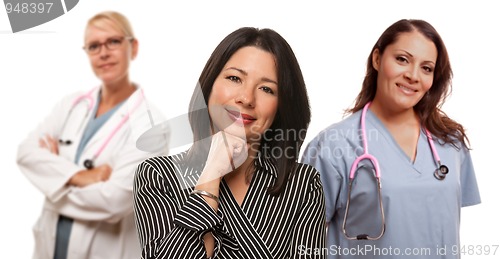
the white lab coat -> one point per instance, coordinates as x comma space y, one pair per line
104, 225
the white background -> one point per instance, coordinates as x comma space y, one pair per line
331, 40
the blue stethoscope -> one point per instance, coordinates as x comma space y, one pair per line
439, 173
89, 100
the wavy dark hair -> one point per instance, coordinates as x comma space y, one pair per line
293, 113
428, 109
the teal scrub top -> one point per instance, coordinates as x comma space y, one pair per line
422, 214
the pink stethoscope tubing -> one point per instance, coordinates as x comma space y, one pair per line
84, 97
88, 163
352, 174
365, 154
439, 173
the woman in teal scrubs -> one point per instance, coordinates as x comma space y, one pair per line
407, 79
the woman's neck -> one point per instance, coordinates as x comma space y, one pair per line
113, 94
391, 117
403, 125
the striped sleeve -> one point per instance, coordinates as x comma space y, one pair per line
310, 230
166, 228
197, 215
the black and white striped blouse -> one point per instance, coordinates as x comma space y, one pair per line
171, 222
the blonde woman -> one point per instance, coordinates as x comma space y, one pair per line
82, 157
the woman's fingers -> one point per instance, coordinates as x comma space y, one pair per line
227, 152
238, 148
49, 143
54, 145
228, 149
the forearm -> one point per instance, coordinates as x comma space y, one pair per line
166, 225
105, 201
166, 231
47, 171
104, 192
209, 191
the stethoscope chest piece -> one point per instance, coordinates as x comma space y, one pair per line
89, 164
441, 172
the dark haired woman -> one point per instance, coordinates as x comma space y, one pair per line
397, 137
239, 191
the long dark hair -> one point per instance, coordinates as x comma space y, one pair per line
293, 113
428, 109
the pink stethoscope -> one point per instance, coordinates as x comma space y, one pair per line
439, 173
88, 98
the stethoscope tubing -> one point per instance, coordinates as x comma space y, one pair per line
118, 126
365, 154
354, 167
88, 163
439, 173
87, 96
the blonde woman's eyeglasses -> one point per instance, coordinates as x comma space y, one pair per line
113, 43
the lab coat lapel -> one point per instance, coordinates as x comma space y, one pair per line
238, 223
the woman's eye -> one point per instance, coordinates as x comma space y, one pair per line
234, 78
92, 46
267, 90
114, 41
428, 69
402, 59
